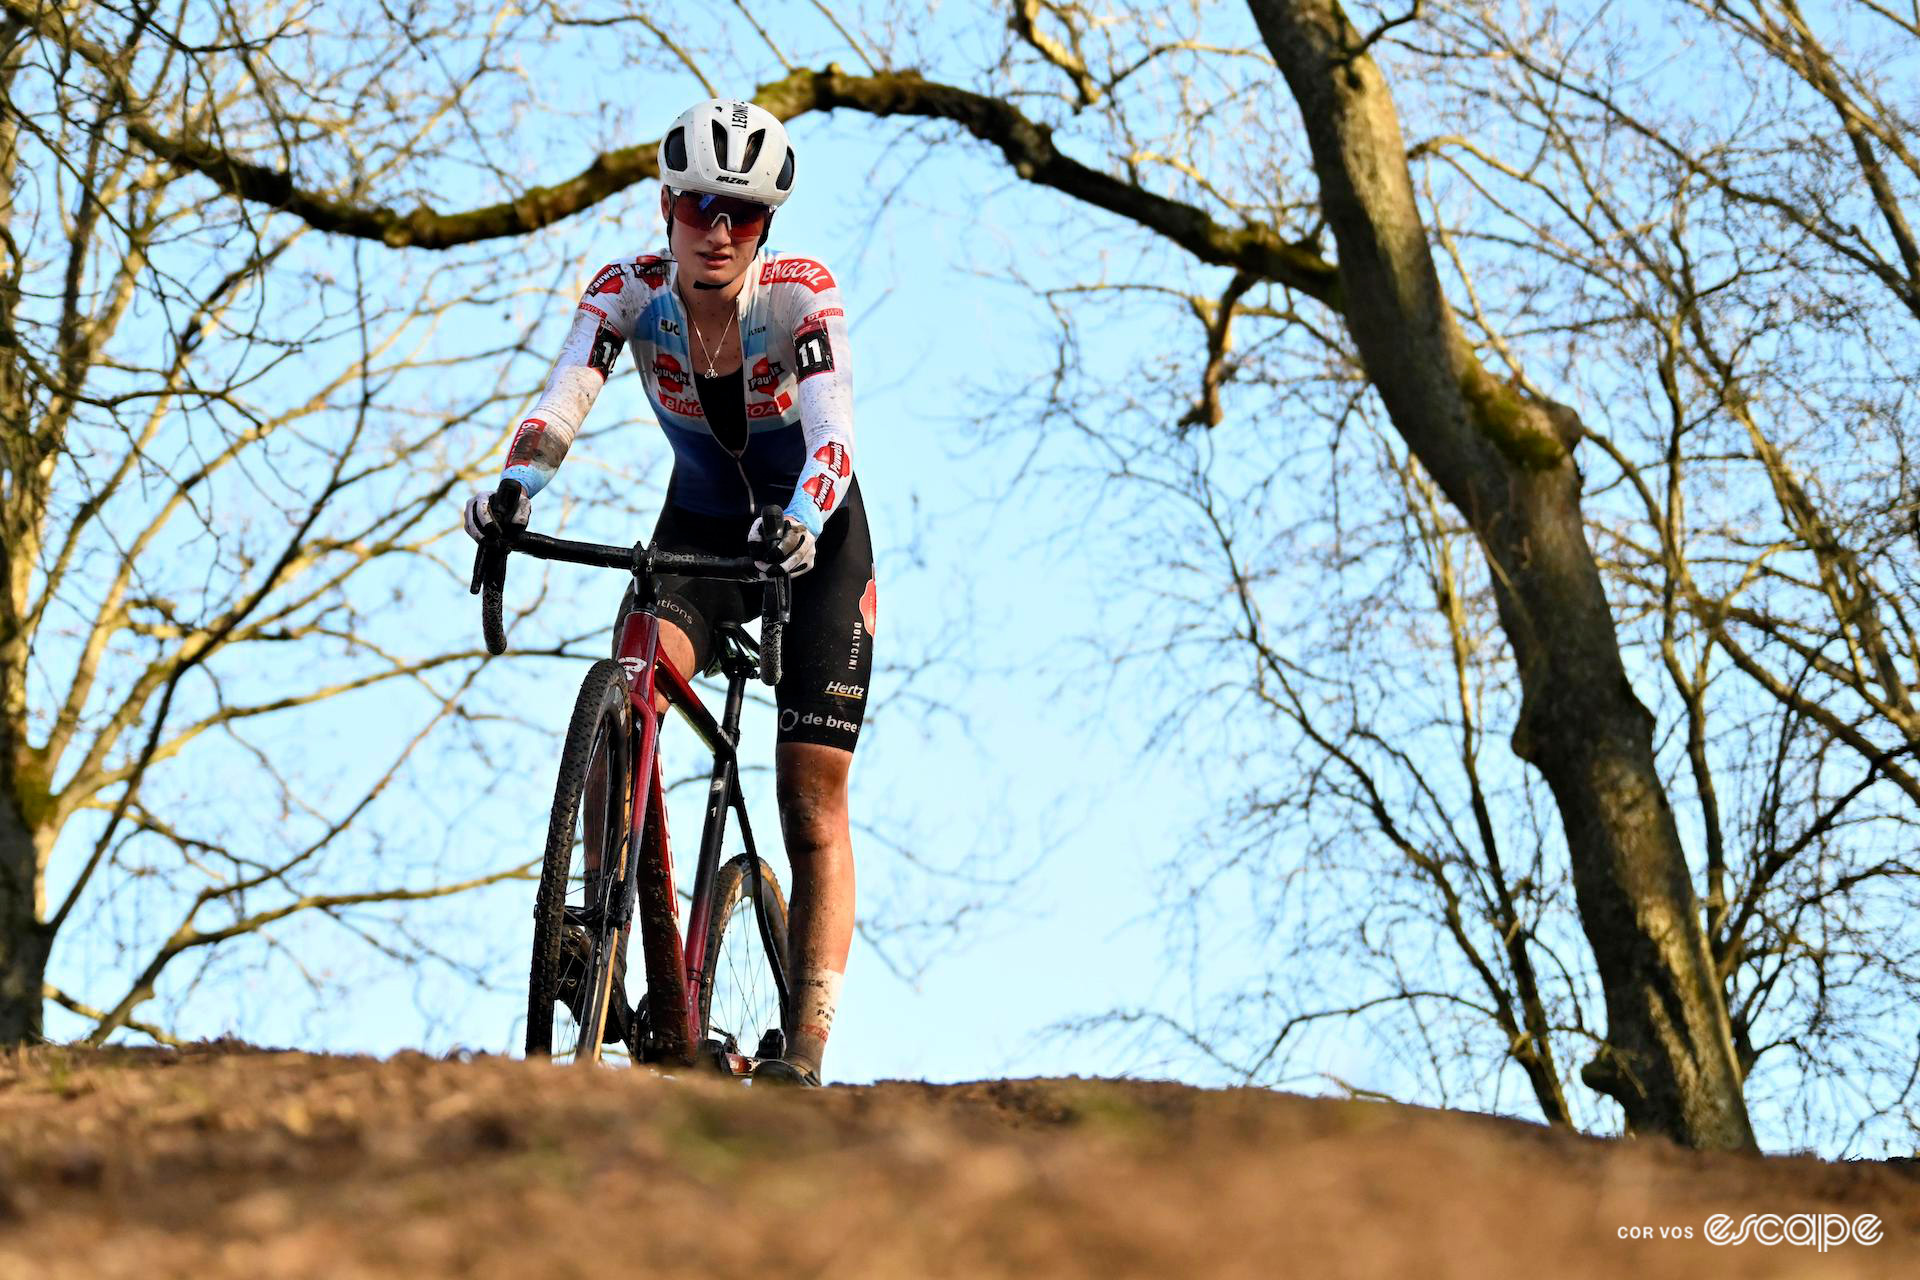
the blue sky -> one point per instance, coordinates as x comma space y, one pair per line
1042, 785
1027, 781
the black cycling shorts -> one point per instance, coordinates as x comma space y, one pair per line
828, 653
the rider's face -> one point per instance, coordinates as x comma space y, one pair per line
713, 256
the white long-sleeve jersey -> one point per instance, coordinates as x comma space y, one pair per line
798, 384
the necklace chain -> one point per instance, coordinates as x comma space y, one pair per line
712, 369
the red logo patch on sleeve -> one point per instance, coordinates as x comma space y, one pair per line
526, 441
834, 457
869, 606
608, 280
820, 489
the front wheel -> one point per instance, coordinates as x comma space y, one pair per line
743, 1000
575, 992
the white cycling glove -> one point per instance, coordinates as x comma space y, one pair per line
480, 515
793, 541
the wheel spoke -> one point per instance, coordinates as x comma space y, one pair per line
744, 1002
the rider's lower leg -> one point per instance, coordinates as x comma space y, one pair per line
812, 789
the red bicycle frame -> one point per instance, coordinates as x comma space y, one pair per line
675, 969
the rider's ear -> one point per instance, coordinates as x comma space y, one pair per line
666, 205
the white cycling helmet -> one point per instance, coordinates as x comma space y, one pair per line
727, 148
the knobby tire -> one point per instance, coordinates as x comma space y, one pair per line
601, 725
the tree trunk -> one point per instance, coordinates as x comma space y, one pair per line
24, 942
1504, 459
23, 938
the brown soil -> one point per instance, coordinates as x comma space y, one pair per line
222, 1162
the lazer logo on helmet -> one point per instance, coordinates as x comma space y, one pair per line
797, 271
727, 177
668, 373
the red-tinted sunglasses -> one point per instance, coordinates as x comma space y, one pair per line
702, 211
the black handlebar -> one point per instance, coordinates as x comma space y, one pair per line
490, 564
641, 559
778, 598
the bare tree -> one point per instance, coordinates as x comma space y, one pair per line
1420, 298
215, 491
1761, 276
1716, 338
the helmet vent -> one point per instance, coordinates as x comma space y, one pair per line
728, 147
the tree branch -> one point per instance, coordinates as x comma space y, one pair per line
72, 1005
1027, 145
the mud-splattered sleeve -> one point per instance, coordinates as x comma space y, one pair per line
602, 324
822, 355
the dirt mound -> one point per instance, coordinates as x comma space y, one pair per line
227, 1163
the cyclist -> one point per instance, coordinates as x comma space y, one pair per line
745, 357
